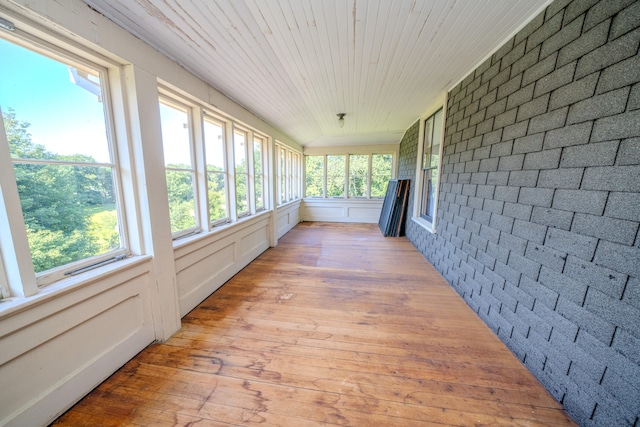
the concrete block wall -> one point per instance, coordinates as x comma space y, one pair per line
539, 204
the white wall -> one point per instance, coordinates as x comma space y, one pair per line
59, 344
342, 210
287, 217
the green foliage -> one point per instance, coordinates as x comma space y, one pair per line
380, 174
181, 198
59, 201
314, 176
335, 175
381, 165
358, 175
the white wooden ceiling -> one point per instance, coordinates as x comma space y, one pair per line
297, 63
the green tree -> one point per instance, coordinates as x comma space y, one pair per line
54, 199
181, 198
380, 174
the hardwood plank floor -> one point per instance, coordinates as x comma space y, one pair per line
337, 325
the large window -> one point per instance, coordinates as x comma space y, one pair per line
179, 166
336, 172
430, 165
57, 121
367, 175
358, 175
216, 164
241, 172
314, 176
288, 174
381, 173
259, 176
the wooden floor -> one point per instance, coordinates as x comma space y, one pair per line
337, 325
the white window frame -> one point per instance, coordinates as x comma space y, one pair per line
262, 141
288, 167
18, 266
248, 141
348, 152
208, 116
172, 101
418, 187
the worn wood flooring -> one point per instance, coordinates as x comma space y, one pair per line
337, 325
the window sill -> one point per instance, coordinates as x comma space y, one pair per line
424, 224
13, 305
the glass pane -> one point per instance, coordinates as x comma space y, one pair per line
216, 167
69, 212
217, 195
381, 165
214, 146
61, 104
240, 155
431, 199
182, 208
437, 137
428, 140
56, 111
336, 169
314, 175
176, 141
296, 176
429, 190
282, 169
242, 197
358, 175
257, 169
258, 188
240, 152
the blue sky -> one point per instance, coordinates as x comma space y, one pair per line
64, 117
68, 119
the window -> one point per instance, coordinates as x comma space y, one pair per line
295, 174
179, 168
314, 176
430, 164
57, 120
216, 164
358, 175
336, 171
381, 173
367, 174
259, 172
241, 172
288, 174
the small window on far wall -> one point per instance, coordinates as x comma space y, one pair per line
430, 163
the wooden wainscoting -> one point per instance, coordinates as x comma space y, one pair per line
337, 325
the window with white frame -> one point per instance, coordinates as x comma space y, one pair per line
295, 174
288, 165
259, 146
177, 142
216, 164
240, 155
381, 172
366, 175
432, 138
314, 176
358, 175
58, 126
336, 175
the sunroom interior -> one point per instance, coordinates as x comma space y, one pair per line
151, 150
